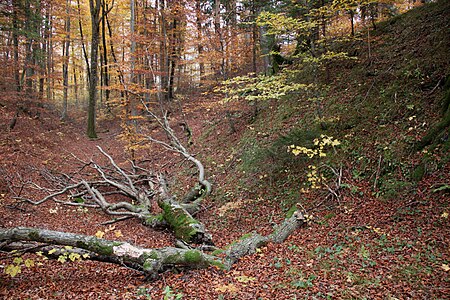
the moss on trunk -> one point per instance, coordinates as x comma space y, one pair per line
185, 227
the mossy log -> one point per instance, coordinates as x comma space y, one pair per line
185, 227
149, 261
249, 244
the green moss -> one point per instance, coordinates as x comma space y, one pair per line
217, 264
245, 236
95, 245
34, 235
182, 224
153, 255
193, 256
418, 172
173, 259
217, 252
291, 211
150, 220
148, 265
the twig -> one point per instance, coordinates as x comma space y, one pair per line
116, 220
377, 174
436, 86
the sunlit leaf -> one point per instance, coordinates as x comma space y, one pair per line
18, 260
99, 234
12, 270
227, 288
245, 279
62, 259
29, 263
74, 256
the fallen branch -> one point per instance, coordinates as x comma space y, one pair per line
151, 262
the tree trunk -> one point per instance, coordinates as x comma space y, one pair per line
66, 58
200, 49
95, 6
16, 46
105, 69
149, 261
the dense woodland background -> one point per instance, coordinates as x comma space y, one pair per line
134, 120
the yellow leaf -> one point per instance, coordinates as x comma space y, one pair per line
62, 259
68, 247
445, 267
52, 251
118, 233
12, 270
18, 260
245, 279
99, 234
444, 215
29, 263
230, 288
74, 256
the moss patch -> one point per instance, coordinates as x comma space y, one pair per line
193, 256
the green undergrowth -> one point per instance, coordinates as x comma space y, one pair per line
378, 107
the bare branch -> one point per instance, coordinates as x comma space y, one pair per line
119, 170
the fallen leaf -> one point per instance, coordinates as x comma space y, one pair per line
245, 279
227, 288
445, 267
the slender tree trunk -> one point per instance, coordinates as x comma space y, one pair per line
172, 60
95, 6
254, 38
16, 46
199, 38
75, 79
113, 53
352, 21
28, 68
49, 65
163, 56
80, 25
105, 68
66, 58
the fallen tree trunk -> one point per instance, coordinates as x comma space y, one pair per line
149, 261
137, 188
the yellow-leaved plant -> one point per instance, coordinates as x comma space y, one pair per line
315, 178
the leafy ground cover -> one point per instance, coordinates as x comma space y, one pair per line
383, 235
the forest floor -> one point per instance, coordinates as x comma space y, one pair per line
361, 246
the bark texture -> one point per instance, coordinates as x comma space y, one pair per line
149, 261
